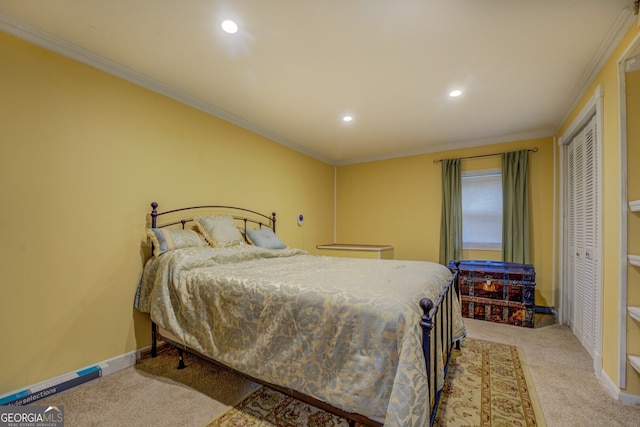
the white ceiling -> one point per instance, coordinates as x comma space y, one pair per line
296, 67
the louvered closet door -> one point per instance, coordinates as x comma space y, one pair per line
582, 234
572, 254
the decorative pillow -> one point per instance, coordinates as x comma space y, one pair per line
265, 238
220, 231
165, 239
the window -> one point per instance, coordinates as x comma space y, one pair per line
482, 210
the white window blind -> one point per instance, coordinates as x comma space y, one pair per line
482, 210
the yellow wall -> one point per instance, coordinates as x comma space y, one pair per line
611, 155
83, 156
398, 202
633, 221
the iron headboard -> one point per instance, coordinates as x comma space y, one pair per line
241, 214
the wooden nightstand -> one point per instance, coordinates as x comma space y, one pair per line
349, 250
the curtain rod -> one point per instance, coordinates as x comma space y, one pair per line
534, 150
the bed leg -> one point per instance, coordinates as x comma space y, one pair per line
180, 359
154, 340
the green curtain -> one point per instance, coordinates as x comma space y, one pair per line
451, 222
516, 246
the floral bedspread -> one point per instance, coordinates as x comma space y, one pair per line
345, 331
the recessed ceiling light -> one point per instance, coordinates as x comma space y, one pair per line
230, 26
347, 118
455, 93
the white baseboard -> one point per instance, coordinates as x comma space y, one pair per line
629, 398
611, 387
119, 363
615, 392
63, 382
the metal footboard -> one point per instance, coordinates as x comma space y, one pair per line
437, 338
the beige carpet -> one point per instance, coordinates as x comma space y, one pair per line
154, 393
570, 393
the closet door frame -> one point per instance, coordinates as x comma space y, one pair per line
592, 108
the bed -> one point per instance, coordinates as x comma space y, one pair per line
369, 340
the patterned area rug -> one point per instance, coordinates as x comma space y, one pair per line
266, 407
487, 385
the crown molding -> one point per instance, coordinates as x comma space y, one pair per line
623, 23
452, 147
58, 45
